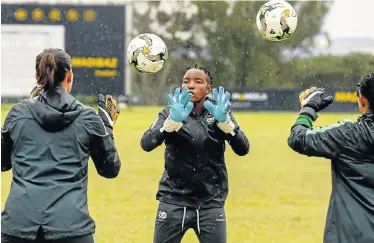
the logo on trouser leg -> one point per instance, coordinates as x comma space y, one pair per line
220, 217
162, 214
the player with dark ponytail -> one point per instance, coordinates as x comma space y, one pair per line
52, 65
350, 146
46, 141
194, 186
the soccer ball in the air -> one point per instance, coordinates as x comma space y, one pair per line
276, 20
147, 53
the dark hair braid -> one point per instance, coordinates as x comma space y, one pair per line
205, 70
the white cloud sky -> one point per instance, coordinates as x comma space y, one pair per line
347, 18
351, 18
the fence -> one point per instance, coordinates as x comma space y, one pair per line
287, 100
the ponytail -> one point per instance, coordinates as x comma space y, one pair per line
47, 69
51, 68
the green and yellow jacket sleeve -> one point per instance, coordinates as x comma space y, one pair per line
327, 141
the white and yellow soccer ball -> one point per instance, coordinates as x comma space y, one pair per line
276, 20
147, 53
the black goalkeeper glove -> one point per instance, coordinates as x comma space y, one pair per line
108, 111
313, 100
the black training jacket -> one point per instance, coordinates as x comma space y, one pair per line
195, 172
47, 141
350, 146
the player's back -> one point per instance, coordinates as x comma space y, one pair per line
50, 152
351, 211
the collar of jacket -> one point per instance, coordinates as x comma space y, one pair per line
58, 98
203, 108
367, 115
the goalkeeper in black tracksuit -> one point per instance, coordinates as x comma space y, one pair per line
193, 188
350, 146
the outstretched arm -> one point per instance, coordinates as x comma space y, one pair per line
102, 148
327, 141
179, 107
226, 122
238, 140
155, 135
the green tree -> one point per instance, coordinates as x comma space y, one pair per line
332, 71
237, 54
240, 57
173, 24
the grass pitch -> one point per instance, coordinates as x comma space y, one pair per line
275, 194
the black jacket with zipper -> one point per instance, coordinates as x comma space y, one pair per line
350, 146
47, 141
195, 171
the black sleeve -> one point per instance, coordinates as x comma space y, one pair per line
153, 137
6, 140
6, 148
327, 141
102, 149
239, 142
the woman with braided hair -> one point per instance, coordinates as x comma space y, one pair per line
194, 187
46, 141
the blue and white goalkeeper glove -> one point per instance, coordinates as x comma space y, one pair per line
180, 107
221, 110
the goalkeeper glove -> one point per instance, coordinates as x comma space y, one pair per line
221, 110
313, 100
180, 107
108, 110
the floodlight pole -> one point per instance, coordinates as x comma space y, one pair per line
128, 37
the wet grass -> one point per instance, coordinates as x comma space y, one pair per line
276, 195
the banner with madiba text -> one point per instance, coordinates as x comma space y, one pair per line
287, 100
93, 35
